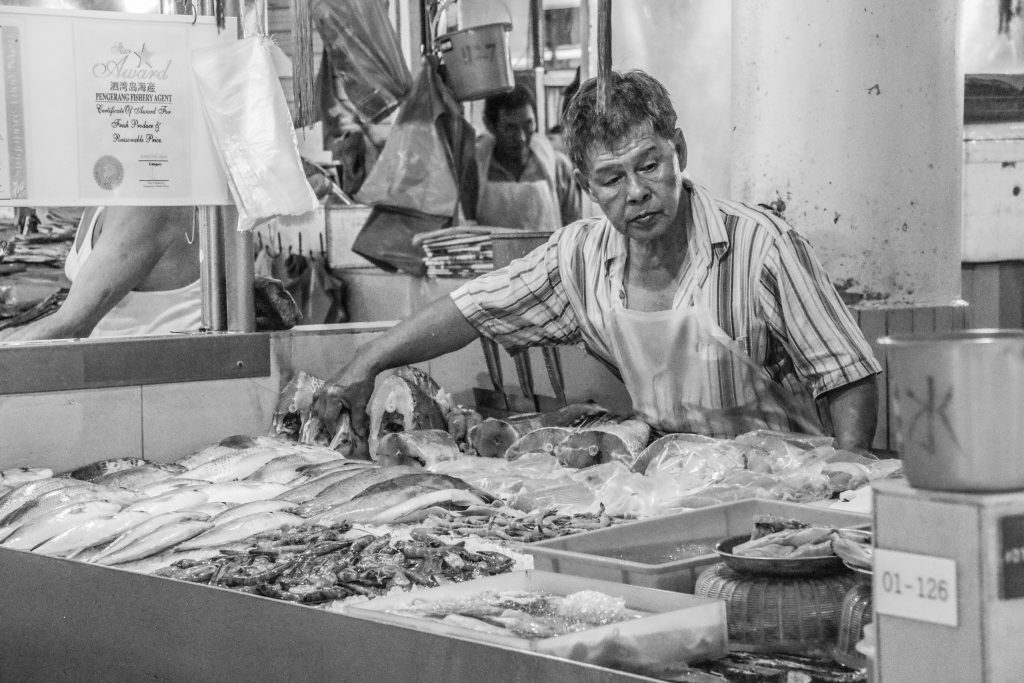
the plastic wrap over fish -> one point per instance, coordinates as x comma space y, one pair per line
691, 459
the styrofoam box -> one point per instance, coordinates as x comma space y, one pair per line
675, 628
597, 554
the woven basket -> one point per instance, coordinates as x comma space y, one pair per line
772, 614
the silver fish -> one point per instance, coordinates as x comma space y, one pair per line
208, 454
157, 541
79, 491
144, 529
282, 469
211, 510
238, 465
137, 477
385, 494
30, 535
241, 491
30, 491
92, 532
426, 499
346, 490
21, 475
311, 472
363, 509
226, 446
241, 528
245, 509
160, 487
302, 493
176, 499
95, 470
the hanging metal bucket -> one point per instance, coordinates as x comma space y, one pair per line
477, 61
958, 406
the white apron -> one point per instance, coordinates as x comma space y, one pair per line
529, 205
673, 363
139, 313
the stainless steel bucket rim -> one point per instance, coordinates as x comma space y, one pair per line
973, 336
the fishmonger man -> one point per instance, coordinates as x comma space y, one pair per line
717, 315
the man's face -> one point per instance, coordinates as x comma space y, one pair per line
512, 132
636, 181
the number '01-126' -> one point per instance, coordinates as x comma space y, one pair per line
921, 587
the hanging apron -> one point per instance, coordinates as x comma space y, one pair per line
531, 205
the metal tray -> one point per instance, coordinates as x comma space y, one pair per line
776, 566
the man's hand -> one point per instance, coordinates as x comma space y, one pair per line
437, 329
348, 392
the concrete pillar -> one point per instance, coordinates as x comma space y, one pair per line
686, 45
851, 113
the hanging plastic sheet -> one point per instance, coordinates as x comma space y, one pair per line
248, 119
428, 163
365, 53
425, 173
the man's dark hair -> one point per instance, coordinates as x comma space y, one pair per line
637, 101
513, 99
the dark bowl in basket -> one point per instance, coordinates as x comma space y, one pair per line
776, 566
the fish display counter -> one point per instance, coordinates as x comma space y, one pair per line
219, 530
69, 621
67, 404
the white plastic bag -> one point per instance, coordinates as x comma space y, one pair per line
249, 121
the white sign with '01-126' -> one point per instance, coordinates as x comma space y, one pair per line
921, 587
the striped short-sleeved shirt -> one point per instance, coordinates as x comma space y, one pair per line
757, 276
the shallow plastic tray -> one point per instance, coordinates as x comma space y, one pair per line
597, 554
676, 629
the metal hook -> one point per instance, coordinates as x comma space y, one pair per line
192, 238
190, 5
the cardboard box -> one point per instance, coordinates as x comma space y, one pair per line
948, 600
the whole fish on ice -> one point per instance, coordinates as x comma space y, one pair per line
92, 532
95, 470
238, 492
446, 497
284, 468
159, 487
175, 499
29, 491
239, 464
310, 472
141, 530
78, 491
302, 493
347, 489
204, 455
30, 535
157, 541
384, 495
240, 529
245, 509
143, 475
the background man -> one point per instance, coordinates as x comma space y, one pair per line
524, 182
